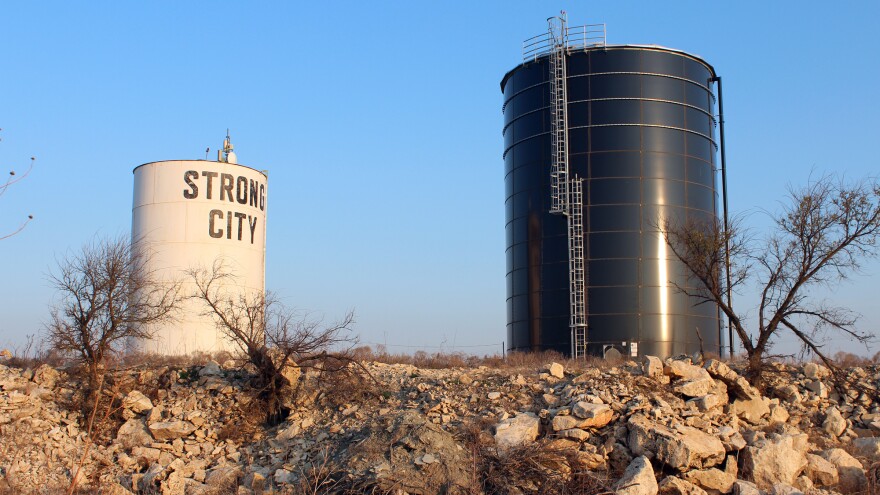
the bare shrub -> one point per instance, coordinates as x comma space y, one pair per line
106, 297
279, 342
31, 354
849, 360
820, 237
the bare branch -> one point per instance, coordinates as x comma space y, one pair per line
275, 339
10, 180
106, 296
822, 235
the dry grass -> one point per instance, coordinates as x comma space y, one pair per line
538, 468
132, 360
873, 473
250, 416
31, 354
513, 360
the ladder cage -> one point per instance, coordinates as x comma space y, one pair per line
566, 189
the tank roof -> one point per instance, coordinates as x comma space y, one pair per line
619, 47
263, 172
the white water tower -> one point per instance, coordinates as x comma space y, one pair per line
189, 213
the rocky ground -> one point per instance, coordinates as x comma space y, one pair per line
669, 427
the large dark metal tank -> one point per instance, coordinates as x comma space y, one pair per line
640, 135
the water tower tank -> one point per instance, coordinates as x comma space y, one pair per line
188, 213
639, 138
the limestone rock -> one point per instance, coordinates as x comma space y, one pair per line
223, 476
819, 388
750, 410
682, 448
289, 432
784, 489
593, 415
815, 371
730, 466
672, 485
283, 476
652, 366
565, 422
575, 434
638, 479
736, 384
289, 369
520, 430
46, 376
212, 368
789, 392
804, 484
711, 480
741, 487
778, 414
174, 484
821, 471
868, 447
681, 369
834, 423
169, 430
731, 438
592, 460
774, 460
849, 470
555, 370
137, 402
115, 489
133, 433
695, 388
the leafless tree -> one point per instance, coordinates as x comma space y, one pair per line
107, 296
278, 341
10, 180
822, 235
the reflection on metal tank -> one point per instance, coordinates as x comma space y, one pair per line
640, 136
187, 214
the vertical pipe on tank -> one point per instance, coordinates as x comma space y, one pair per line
724, 195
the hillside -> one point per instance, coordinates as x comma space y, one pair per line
651, 427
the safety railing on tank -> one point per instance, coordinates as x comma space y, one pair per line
577, 37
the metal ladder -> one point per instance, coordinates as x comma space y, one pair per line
566, 189
577, 272
559, 184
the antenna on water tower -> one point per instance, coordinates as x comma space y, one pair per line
227, 155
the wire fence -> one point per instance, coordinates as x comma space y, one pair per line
496, 348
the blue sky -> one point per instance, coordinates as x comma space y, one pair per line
380, 125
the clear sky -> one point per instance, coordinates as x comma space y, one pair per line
380, 125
